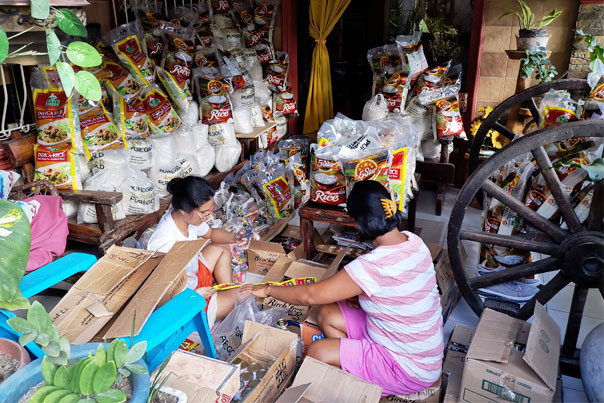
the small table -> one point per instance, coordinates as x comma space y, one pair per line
311, 212
249, 142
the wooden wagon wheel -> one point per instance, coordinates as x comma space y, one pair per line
524, 98
578, 253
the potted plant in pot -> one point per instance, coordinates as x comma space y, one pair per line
88, 371
531, 33
537, 60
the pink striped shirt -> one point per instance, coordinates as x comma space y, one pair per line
402, 305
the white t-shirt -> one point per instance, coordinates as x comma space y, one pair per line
166, 234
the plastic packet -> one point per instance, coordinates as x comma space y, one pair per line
276, 75
178, 39
284, 103
98, 132
376, 108
227, 156
447, 122
161, 116
395, 89
327, 181
178, 89
126, 40
140, 197
412, 54
383, 60
122, 81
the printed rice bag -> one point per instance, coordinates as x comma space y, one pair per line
178, 38
161, 116
284, 103
122, 81
206, 58
327, 181
155, 46
447, 122
398, 178
140, 150
130, 116
59, 165
56, 119
412, 54
126, 40
279, 196
383, 60
177, 87
554, 116
373, 167
394, 89
99, 132
276, 75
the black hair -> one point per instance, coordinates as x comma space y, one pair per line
365, 207
190, 192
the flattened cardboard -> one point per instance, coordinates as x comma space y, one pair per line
203, 379
504, 374
94, 299
543, 347
330, 384
428, 395
455, 358
166, 281
262, 344
447, 288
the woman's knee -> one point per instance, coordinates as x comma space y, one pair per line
326, 314
326, 350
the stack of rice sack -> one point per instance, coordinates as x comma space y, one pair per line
403, 85
348, 151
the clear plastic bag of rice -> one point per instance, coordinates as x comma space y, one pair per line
163, 150
222, 134
242, 120
84, 169
184, 139
257, 117
104, 181
139, 193
200, 135
140, 150
206, 158
376, 108
115, 160
227, 156
161, 174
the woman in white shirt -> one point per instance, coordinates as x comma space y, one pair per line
186, 220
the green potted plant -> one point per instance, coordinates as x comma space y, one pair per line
537, 60
531, 33
87, 372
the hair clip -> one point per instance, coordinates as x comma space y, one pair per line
389, 207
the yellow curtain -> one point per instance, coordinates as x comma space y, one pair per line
319, 106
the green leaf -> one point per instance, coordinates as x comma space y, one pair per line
120, 354
62, 359
88, 86
67, 77
101, 355
136, 352
40, 9
52, 349
38, 317
28, 337
21, 325
595, 171
53, 45
87, 400
104, 378
76, 373
136, 369
3, 45
72, 398
111, 396
41, 394
61, 378
17, 302
87, 378
83, 54
48, 371
124, 372
42, 339
57, 395
69, 23
111, 350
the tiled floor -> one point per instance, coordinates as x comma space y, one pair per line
558, 307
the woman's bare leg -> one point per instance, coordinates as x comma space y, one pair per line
218, 259
226, 302
326, 350
331, 321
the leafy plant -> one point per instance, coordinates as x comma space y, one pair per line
595, 170
158, 380
536, 59
596, 52
79, 53
526, 18
91, 379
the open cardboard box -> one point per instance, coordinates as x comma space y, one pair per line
455, 357
123, 281
496, 371
285, 268
429, 395
263, 254
320, 382
447, 288
202, 379
263, 344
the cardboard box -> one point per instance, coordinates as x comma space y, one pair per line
284, 268
320, 382
447, 288
262, 344
95, 302
202, 379
455, 357
429, 395
263, 254
496, 371
310, 331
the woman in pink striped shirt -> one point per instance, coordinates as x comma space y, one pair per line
381, 315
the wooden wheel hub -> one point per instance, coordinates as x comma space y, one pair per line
583, 258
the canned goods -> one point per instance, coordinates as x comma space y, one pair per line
281, 324
253, 384
246, 376
236, 361
254, 367
244, 364
270, 363
245, 393
261, 374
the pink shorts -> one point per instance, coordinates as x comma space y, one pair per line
368, 360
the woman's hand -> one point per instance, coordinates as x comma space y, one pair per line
205, 292
260, 290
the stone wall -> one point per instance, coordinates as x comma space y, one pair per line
590, 19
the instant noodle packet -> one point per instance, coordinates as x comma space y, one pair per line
161, 116
279, 198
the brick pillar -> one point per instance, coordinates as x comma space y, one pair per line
590, 19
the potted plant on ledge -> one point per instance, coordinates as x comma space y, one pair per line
531, 33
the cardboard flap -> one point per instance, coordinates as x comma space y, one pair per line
99, 310
160, 282
335, 265
273, 340
293, 394
265, 246
543, 346
278, 270
276, 229
299, 270
495, 336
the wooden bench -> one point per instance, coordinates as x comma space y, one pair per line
108, 231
